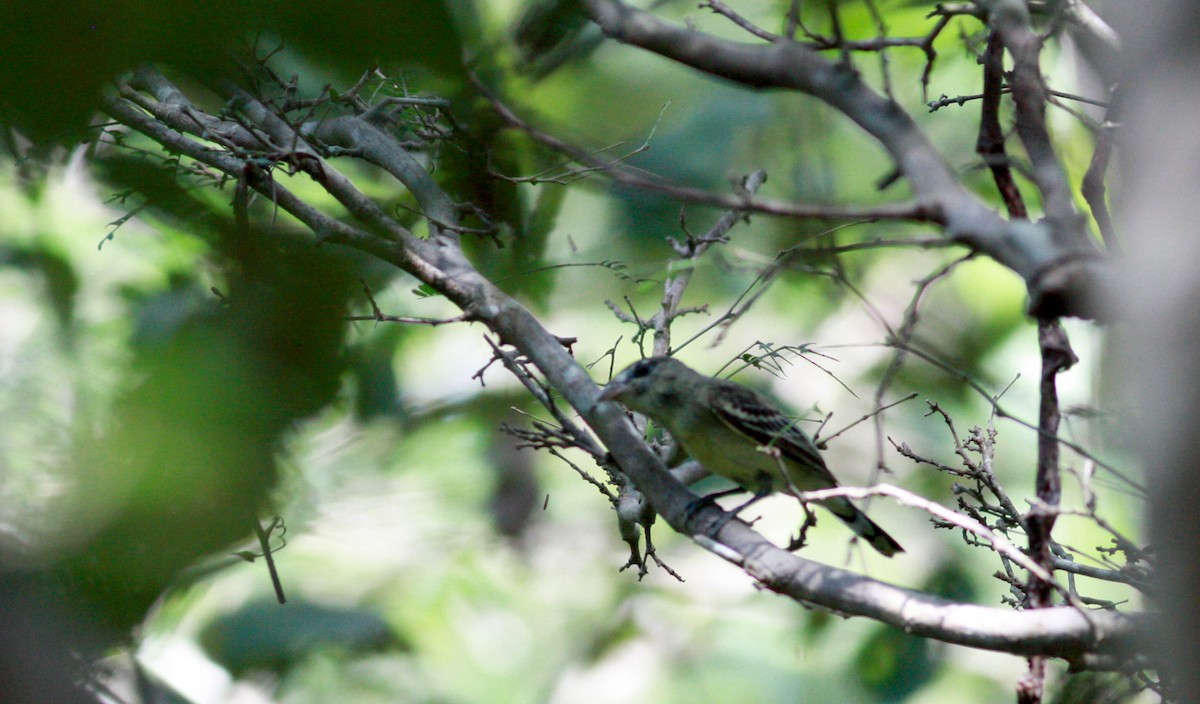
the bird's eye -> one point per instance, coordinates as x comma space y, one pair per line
640, 369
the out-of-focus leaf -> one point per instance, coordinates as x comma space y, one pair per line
40, 641
531, 275
695, 153
532, 246
405, 34
815, 624
463, 171
57, 273
514, 255
619, 630
951, 582
161, 314
516, 495
265, 635
377, 391
1095, 688
553, 33
68, 52
153, 688
545, 24
894, 664
170, 200
183, 466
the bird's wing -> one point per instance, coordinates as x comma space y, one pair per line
749, 414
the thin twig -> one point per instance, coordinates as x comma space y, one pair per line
908, 498
264, 542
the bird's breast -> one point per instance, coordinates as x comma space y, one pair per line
731, 455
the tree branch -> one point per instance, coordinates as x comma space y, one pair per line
1010, 20
641, 180
990, 143
1062, 632
1062, 268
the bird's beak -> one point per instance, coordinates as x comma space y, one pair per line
612, 391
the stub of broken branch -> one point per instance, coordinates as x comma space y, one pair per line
1072, 287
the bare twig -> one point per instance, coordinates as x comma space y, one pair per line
990, 143
1092, 188
264, 542
642, 180
1057, 276
689, 251
908, 498
867, 417
729, 13
440, 264
380, 317
1002, 412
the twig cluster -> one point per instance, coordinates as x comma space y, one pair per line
270, 130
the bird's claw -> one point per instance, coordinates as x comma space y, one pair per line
696, 506
797, 542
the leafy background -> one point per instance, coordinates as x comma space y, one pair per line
147, 422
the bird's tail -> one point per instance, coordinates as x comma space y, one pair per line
866, 529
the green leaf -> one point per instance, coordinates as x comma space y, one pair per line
265, 635
69, 52
425, 291
58, 276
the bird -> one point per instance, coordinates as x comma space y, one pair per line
735, 432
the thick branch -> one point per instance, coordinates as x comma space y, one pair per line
1063, 632
1056, 357
1039, 523
378, 148
1010, 20
1060, 264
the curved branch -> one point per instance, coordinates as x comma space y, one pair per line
636, 178
378, 148
1062, 267
1063, 631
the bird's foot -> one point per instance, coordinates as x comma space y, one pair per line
698, 505
719, 524
801, 539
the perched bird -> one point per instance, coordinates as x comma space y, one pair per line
737, 433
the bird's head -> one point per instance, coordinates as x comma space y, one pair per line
650, 386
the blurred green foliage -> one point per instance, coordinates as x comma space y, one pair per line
58, 277
185, 460
262, 636
69, 52
199, 377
